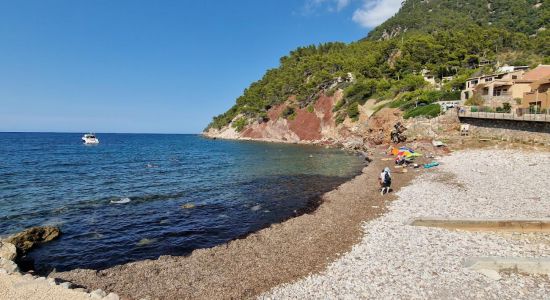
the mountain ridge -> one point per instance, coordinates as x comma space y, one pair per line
422, 37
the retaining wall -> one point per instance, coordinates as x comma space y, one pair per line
509, 130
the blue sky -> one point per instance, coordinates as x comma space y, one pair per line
153, 66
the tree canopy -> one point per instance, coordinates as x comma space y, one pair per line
444, 37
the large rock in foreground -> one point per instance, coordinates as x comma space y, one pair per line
29, 238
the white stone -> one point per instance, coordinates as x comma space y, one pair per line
98, 294
491, 274
112, 296
66, 285
8, 251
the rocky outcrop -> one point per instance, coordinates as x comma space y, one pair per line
313, 124
316, 124
29, 238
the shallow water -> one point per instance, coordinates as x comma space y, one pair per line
139, 196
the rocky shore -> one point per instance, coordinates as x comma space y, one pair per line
15, 284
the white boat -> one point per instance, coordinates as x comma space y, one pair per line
90, 139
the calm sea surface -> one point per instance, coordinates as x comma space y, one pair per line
138, 196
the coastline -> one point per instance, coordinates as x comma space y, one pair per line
206, 135
239, 269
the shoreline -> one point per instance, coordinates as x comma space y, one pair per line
292, 249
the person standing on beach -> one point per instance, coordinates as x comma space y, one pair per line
385, 181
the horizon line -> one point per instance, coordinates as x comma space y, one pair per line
79, 132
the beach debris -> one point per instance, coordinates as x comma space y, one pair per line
145, 242
27, 239
188, 206
431, 165
8, 251
121, 201
256, 207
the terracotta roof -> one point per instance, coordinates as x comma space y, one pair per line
537, 73
538, 83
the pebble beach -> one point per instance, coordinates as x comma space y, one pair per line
358, 244
395, 260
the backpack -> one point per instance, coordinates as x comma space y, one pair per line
387, 178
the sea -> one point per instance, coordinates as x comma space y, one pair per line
140, 196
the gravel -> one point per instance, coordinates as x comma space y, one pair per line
396, 260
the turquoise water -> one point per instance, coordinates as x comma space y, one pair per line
138, 196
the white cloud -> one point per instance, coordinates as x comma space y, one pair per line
375, 12
341, 4
312, 6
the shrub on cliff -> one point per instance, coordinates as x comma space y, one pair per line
239, 124
289, 113
430, 111
353, 111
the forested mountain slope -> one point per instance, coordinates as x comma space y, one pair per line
444, 37
524, 16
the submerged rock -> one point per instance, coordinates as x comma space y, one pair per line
29, 238
145, 242
8, 251
188, 206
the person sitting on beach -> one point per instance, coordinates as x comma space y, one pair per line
385, 181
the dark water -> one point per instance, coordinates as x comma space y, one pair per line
230, 188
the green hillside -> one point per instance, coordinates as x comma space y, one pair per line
446, 37
524, 16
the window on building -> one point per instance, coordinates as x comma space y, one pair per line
514, 76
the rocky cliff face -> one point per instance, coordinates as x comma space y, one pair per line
305, 126
315, 125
